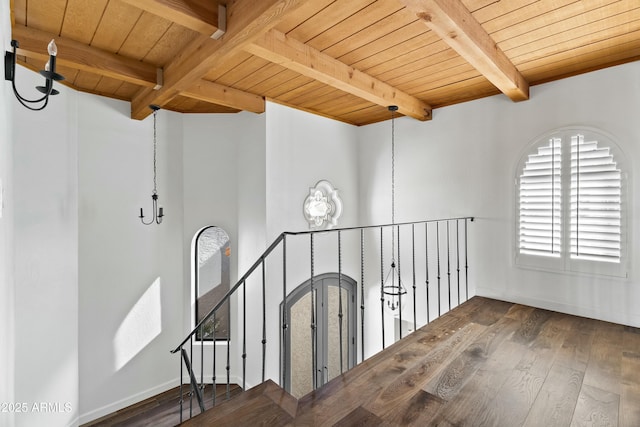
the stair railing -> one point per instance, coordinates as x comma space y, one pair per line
439, 247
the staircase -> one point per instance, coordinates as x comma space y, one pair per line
264, 404
409, 275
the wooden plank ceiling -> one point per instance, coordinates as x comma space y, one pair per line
344, 59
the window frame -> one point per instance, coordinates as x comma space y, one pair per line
225, 282
564, 262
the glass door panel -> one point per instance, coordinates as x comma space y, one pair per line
301, 355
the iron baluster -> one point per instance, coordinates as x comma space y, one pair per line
181, 383
194, 382
382, 286
466, 260
399, 285
202, 359
426, 262
228, 367
362, 294
264, 320
340, 299
244, 335
314, 347
458, 256
413, 265
438, 253
191, 380
213, 376
283, 350
448, 266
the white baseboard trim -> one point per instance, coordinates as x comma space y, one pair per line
123, 403
128, 401
559, 307
74, 423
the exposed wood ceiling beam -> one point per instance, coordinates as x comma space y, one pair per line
73, 54
246, 21
276, 47
222, 95
12, 17
453, 22
203, 16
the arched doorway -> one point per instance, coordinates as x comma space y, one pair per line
332, 356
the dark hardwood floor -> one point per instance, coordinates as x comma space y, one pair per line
162, 410
486, 363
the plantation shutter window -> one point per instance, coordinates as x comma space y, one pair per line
595, 202
540, 201
571, 200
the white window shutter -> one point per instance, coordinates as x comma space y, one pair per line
596, 199
540, 201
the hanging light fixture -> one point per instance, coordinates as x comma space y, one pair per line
392, 287
158, 213
49, 74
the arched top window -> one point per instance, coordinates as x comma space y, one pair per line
211, 251
571, 203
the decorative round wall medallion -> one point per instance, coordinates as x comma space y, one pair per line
323, 206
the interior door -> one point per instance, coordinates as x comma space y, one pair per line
330, 358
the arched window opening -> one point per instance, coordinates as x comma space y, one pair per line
571, 195
211, 252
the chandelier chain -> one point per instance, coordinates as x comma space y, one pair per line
155, 191
393, 183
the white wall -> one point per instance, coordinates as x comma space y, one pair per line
463, 163
223, 186
6, 229
303, 149
45, 207
210, 196
131, 275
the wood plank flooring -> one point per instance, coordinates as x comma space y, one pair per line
161, 410
486, 362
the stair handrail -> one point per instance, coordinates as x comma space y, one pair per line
275, 243
231, 291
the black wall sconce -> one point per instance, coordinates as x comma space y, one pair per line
49, 74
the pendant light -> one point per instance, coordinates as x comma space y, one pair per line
392, 288
158, 213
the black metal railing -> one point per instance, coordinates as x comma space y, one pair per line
355, 251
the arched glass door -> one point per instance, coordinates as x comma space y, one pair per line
331, 356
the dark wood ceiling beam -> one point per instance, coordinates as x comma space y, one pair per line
222, 95
453, 22
246, 21
204, 16
73, 54
276, 47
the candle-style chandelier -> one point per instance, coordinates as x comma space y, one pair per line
392, 288
158, 213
